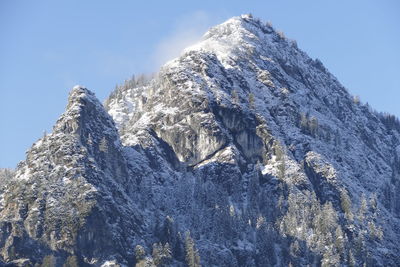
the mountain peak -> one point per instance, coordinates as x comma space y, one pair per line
244, 37
85, 114
243, 142
78, 86
79, 96
241, 22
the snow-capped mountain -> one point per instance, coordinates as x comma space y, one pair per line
243, 151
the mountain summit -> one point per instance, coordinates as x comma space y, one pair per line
243, 151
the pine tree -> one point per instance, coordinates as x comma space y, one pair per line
192, 255
303, 122
337, 139
157, 254
351, 261
363, 208
49, 261
373, 202
374, 231
282, 169
330, 258
294, 248
103, 146
345, 203
251, 101
89, 140
281, 158
356, 100
278, 150
313, 126
140, 253
72, 261
235, 97
161, 253
339, 240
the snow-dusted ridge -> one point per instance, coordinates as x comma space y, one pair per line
243, 148
304, 107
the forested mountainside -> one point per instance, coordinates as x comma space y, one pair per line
243, 151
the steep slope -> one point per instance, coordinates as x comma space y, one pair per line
67, 196
241, 152
244, 89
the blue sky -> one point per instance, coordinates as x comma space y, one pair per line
46, 47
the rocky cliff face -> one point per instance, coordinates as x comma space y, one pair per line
241, 152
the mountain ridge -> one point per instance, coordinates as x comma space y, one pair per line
243, 151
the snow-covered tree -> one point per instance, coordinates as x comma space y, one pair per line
72, 261
363, 208
89, 140
161, 253
103, 146
192, 255
140, 253
345, 203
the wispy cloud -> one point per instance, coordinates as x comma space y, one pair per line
188, 30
